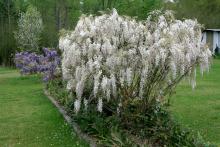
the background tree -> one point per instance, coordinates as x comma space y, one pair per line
30, 26
205, 11
7, 26
139, 8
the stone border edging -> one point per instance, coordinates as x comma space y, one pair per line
68, 119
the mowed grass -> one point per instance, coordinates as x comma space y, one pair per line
27, 117
199, 109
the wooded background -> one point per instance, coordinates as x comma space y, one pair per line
64, 14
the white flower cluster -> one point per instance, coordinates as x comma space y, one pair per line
30, 27
115, 58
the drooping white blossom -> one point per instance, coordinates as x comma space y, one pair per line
117, 58
77, 105
85, 101
100, 105
113, 84
79, 89
96, 83
129, 76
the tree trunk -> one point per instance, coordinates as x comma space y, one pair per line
9, 18
9, 31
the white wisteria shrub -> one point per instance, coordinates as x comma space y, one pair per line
30, 27
115, 61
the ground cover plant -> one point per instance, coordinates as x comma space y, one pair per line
118, 73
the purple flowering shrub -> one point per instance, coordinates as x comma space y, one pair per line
32, 63
49, 63
27, 62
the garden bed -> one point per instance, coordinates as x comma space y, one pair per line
99, 129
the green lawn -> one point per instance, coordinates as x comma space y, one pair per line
27, 117
199, 109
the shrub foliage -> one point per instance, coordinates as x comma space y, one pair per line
118, 62
118, 72
32, 63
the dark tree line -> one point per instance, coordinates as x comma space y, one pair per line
7, 26
57, 15
63, 14
207, 12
